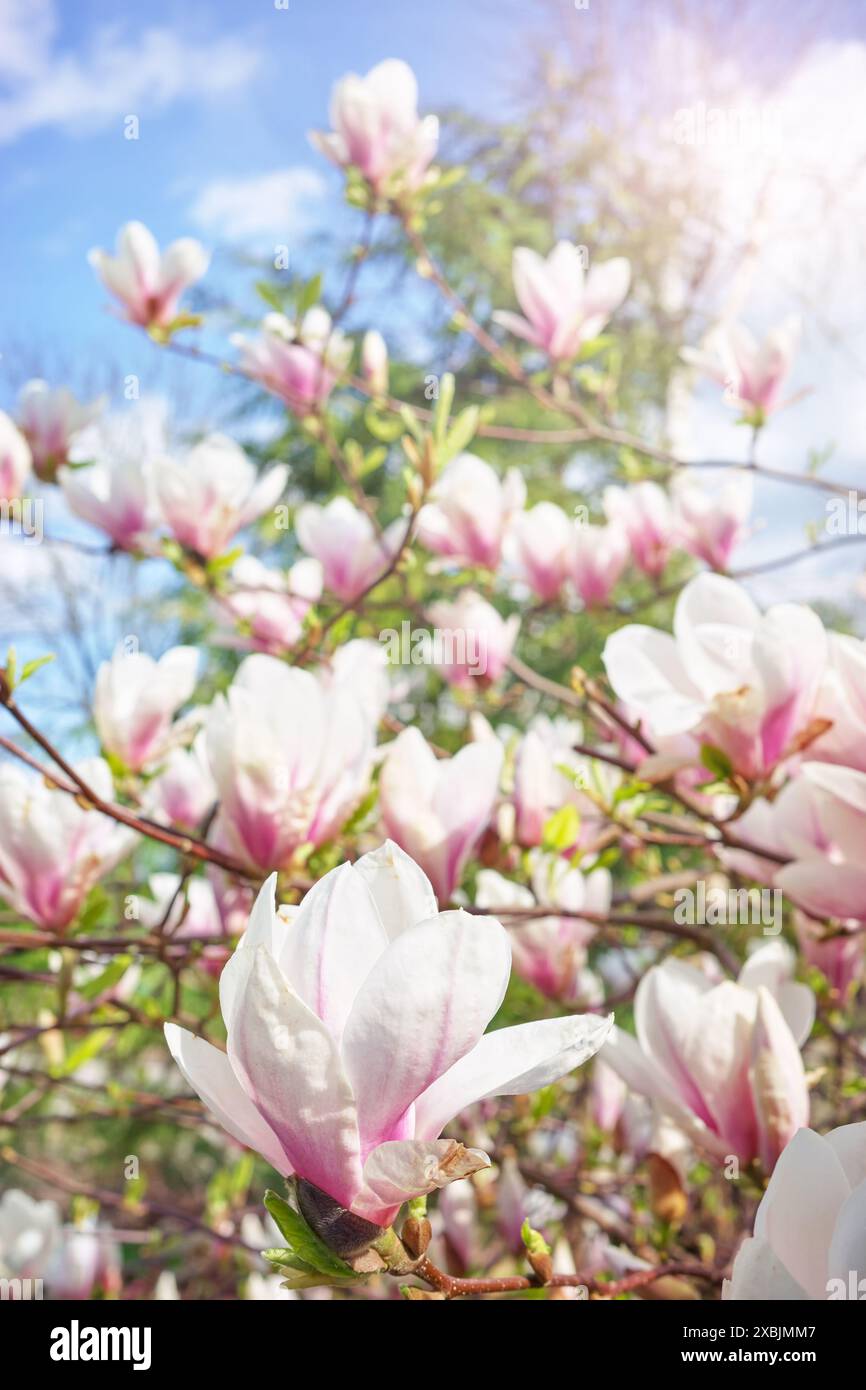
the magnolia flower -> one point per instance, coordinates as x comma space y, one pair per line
355, 1028
709, 521
744, 683
437, 810
596, 558
374, 362
52, 850
300, 365
344, 540
644, 514
722, 1060
538, 548
549, 774
550, 952
609, 1096
149, 285
360, 668
183, 792
377, 129
268, 608
70, 1260
818, 821
29, 1234
471, 641
114, 491
563, 307
752, 373
290, 758
470, 511
839, 957
213, 493
842, 700
808, 1237
15, 459
136, 699
50, 420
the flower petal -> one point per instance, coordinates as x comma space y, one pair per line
510, 1062
209, 1072
423, 1006
289, 1066
401, 890
333, 944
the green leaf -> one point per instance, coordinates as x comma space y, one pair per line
310, 294
442, 413
461, 433
88, 1048
385, 428
716, 762
31, 667
268, 292
303, 1242
561, 830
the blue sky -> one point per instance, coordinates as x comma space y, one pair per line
225, 92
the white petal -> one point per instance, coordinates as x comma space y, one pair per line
209, 1072
424, 1005
510, 1062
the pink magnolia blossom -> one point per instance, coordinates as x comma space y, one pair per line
213, 493
549, 774
183, 792
710, 520
135, 701
149, 284
438, 809
50, 420
112, 485
471, 641
301, 364
347, 545
609, 1095
266, 608
377, 129
538, 548
563, 307
15, 459
355, 1028
808, 1237
644, 512
839, 957
752, 372
471, 511
550, 952
290, 757
596, 559
374, 362
818, 821
747, 684
52, 850
722, 1060
360, 668
842, 700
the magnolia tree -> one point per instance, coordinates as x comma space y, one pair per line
477, 888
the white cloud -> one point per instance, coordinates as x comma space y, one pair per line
278, 204
117, 74
27, 28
